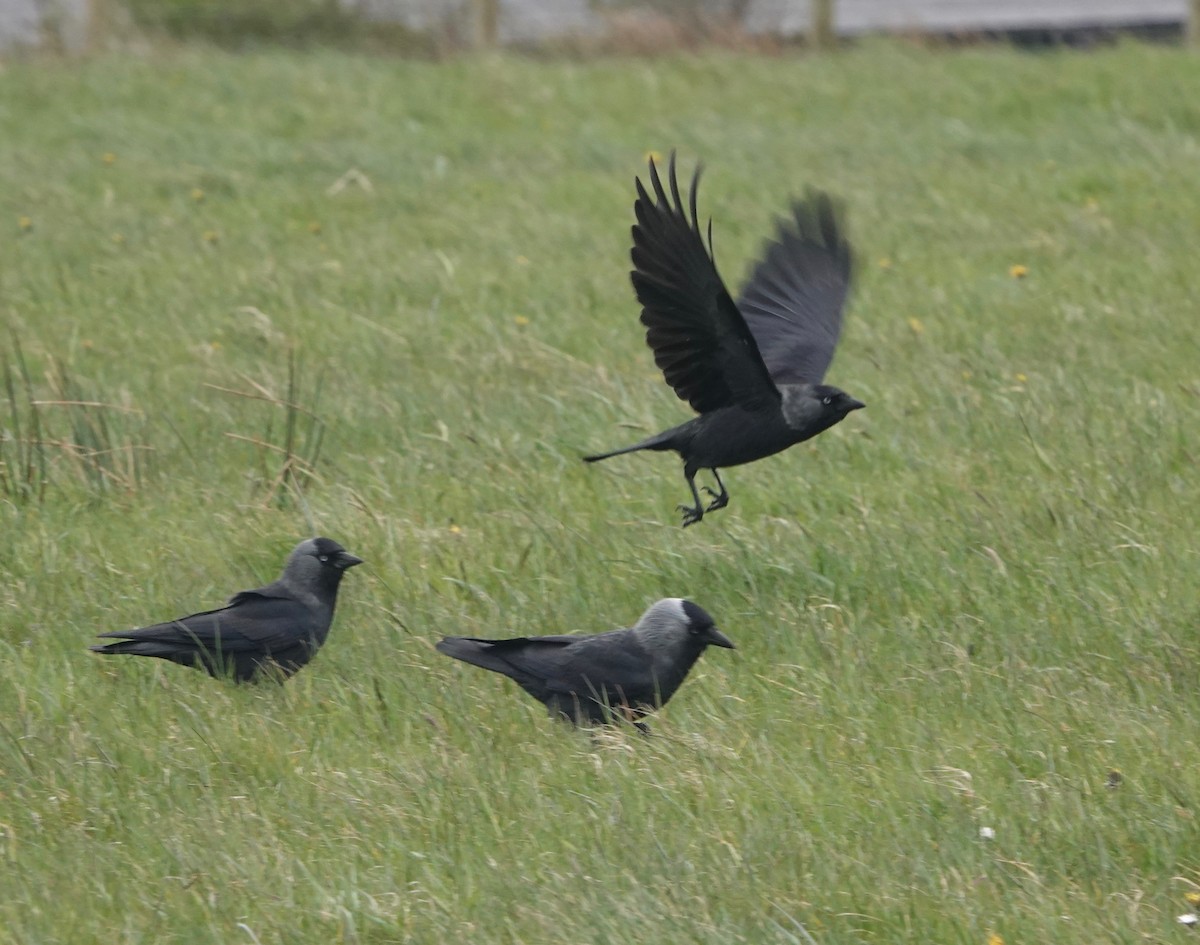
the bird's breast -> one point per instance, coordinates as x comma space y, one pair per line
738, 435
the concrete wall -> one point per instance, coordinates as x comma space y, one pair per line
530, 20
521, 21
65, 23
20, 23
30, 24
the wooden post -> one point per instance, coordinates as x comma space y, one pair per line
1193, 23
487, 23
823, 36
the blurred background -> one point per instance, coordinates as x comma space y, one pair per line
433, 27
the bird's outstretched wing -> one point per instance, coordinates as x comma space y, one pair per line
700, 342
793, 300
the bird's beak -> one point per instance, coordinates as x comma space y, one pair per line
853, 404
717, 638
345, 561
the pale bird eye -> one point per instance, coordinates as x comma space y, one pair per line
827, 401
323, 558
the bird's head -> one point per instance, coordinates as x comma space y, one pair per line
810, 408
673, 621
835, 401
318, 562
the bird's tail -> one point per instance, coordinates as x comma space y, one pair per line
488, 654
138, 648
660, 441
463, 648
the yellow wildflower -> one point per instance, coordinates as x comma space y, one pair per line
1018, 271
198, 195
521, 320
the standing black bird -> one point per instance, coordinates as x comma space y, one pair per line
272, 630
603, 676
752, 370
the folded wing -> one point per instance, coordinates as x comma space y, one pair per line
250, 626
606, 667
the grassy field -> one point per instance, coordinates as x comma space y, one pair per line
965, 607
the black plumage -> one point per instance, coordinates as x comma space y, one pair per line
269, 631
752, 370
597, 678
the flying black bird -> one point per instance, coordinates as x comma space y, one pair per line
272, 630
751, 370
602, 676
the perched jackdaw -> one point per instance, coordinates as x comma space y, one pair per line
272, 630
752, 370
602, 676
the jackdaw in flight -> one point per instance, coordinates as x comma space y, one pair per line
269, 631
753, 369
602, 677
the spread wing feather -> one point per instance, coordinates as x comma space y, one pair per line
793, 300
700, 341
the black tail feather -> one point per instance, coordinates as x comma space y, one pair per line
660, 441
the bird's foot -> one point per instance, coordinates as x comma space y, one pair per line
691, 514
720, 499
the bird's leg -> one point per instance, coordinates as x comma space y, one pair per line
720, 499
634, 718
691, 513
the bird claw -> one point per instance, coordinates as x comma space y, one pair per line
691, 514
720, 499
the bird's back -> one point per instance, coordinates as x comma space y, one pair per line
253, 632
578, 676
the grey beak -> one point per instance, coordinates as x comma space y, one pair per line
853, 404
345, 561
717, 638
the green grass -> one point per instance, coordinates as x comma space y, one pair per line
961, 608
